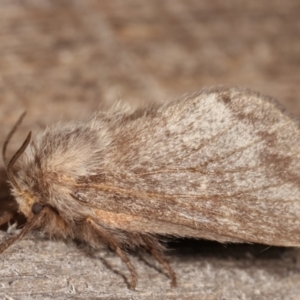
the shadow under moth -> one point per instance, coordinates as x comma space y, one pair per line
222, 164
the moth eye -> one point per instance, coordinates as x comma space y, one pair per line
36, 208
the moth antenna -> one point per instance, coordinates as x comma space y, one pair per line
8, 138
11, 163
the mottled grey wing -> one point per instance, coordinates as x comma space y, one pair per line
223, 164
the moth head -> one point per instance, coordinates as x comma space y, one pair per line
27, 205
33, 210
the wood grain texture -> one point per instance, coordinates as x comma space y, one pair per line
63, 58
37, 268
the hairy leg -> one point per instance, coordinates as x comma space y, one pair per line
115, 246
156, 249
5, 218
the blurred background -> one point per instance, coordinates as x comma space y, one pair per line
75, 54
64, 59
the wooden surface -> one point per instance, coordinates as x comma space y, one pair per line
65, 59
42, 269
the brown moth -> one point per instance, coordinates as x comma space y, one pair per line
223, 165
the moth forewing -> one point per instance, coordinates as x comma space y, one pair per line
223, 164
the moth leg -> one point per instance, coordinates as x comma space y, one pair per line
130, 267
5, 218
156, 249
161, 258
27, 227
114, 246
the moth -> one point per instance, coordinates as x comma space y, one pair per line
222, 164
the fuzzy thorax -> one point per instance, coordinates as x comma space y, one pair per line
53, 161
